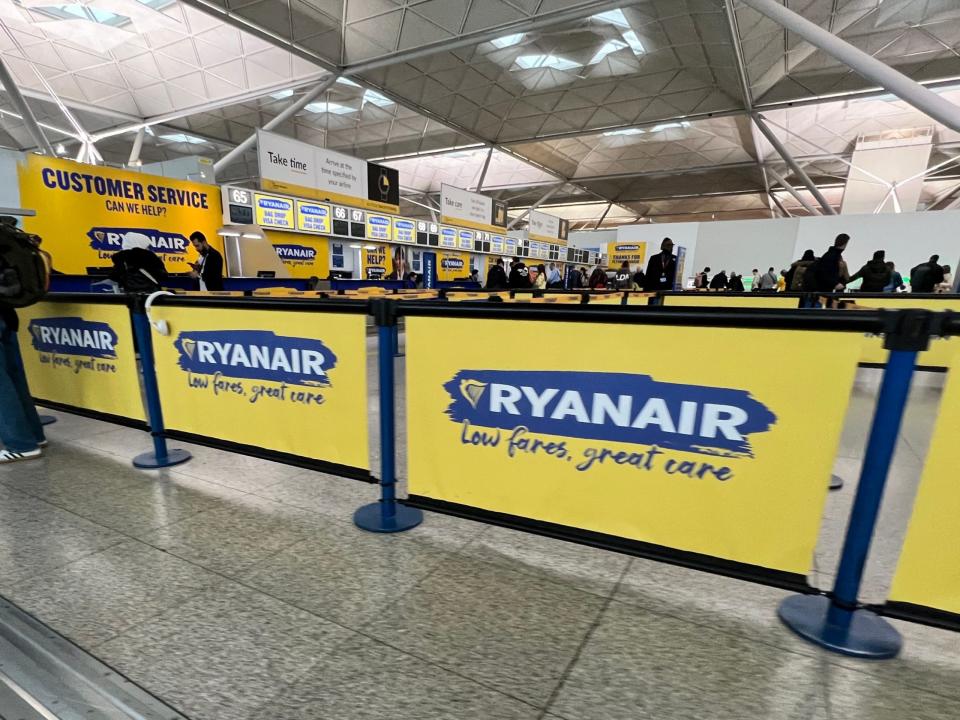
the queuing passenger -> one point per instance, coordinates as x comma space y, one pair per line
719, 281
828, 273
736, 283
554, 278
519, 276
946, 285
135, 266
624, 278
209, 269
702, 280
926, 276
895, 283
576, 278
598, 279
540, 282
782, 280
638, 279
474, 275
768, 281
497, 277
875, 274
794, 276
755, 281
20, 428
662, 268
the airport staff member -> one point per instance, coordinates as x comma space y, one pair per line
662, 268
209, 269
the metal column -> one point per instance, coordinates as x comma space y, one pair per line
27, 114
793, 165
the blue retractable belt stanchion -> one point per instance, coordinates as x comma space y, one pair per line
837, 622
47, 419
161, 457
387, 515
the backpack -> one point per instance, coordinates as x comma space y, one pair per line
26, 267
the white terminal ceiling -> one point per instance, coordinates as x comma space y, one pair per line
637, 103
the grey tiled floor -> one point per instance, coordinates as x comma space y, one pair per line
238, 589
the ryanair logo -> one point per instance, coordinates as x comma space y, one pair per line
255, 355
615, 407
73, 336
162, 242
296, 252
452, 263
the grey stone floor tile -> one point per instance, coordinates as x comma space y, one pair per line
46, 538
345, 574
69, 426
586, 568
508, 630
16, 505
328, 495
640, 665
365, 680
150, 503
225, 652
123, 442
448, 532
240, 472
236, 535
102, 595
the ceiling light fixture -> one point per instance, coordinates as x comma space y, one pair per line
625, 131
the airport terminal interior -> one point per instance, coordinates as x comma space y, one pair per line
494, 359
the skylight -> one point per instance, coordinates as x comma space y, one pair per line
507, 40
282, 94
183, 138
613, 17
530, 62
329, 107
634, 42
372, 96
76, 11
610, 46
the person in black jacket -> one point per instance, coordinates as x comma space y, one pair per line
135, 267
719, 281
209, 269
519, 276
926, 276
662, 269
736, 283
497, 276
826, 274
875, 274
20, 428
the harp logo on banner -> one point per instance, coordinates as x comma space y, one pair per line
73, 336
258, 355
611, 407
110, 239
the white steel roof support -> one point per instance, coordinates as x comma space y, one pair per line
793, 165
546, 196
862, 63
793, 191
483, 170
288, 112
26, 114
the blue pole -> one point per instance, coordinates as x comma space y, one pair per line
387, 516
836, 622
161, 457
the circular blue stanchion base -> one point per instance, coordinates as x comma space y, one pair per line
836, 482
866, 636
149, 461
370, 517
47, 419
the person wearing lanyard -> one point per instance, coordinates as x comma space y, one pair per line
662, 268
209, 268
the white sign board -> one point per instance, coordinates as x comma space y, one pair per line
543, 226
465, 207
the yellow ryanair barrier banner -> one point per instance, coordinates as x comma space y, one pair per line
83, 211
940, 350
304, 256
748, 300
648, 444
82, 355
928, 573
291, 382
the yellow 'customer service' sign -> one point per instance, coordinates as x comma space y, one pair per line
293, 382
83, 211
728, 458
82, 355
